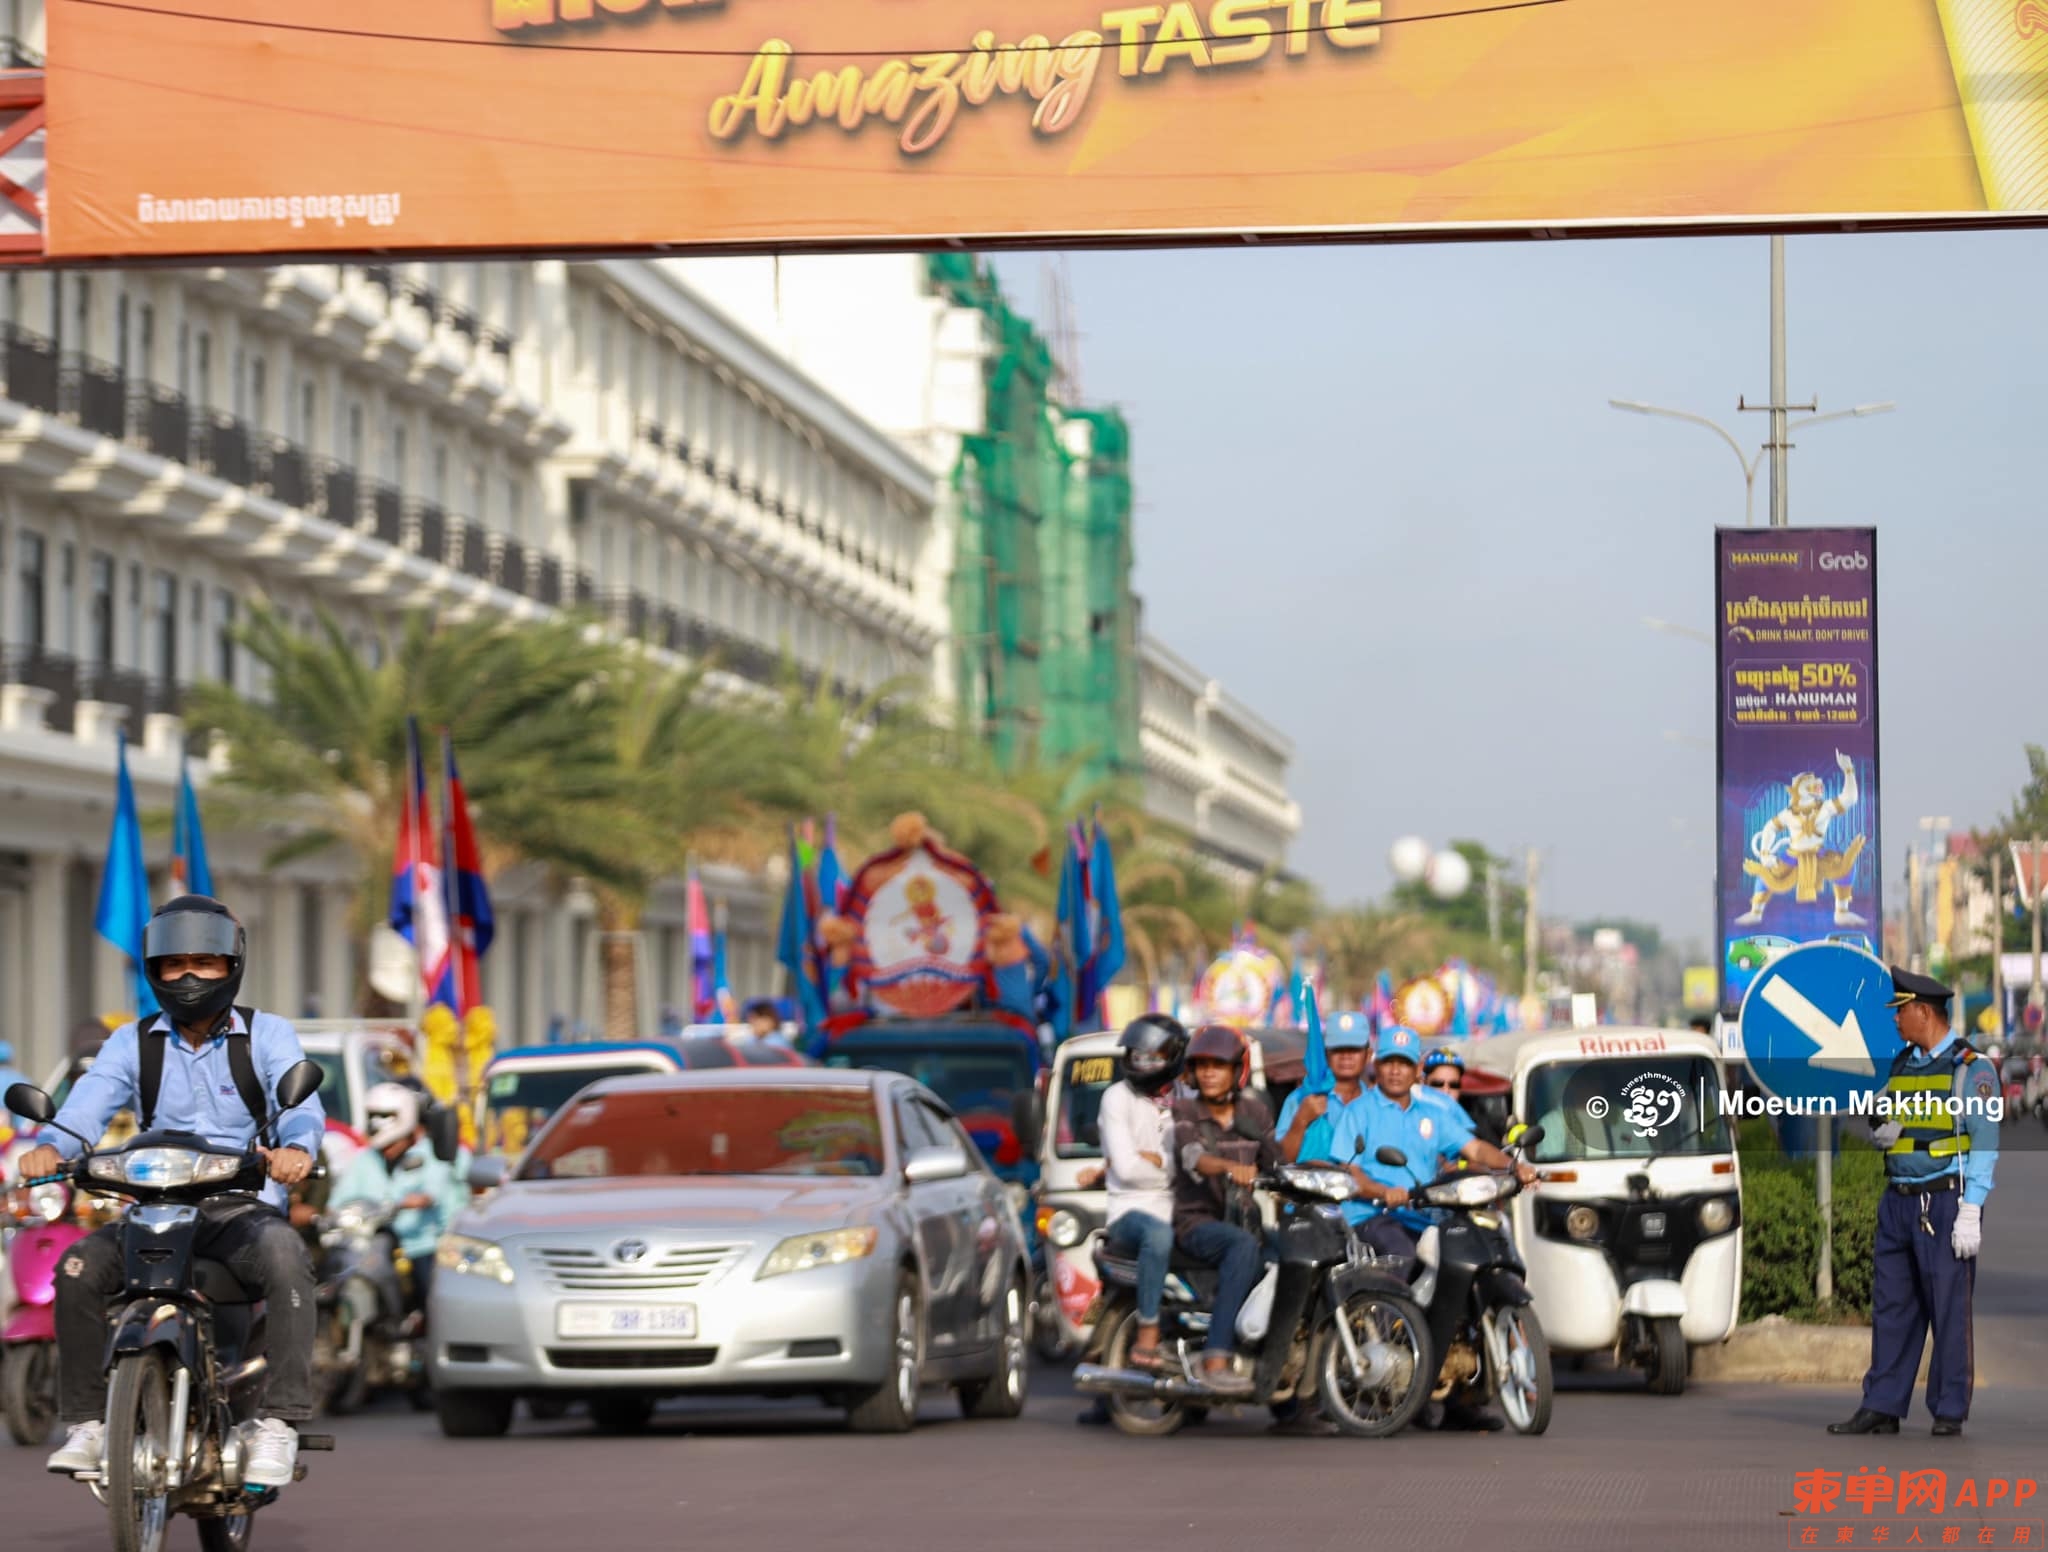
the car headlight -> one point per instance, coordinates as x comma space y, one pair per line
803, 1252
1469, 1191
1582, 1222
1716, 1214
1063, 1229
473, 1257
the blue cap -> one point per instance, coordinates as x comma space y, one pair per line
1347, 1032
1399, 1040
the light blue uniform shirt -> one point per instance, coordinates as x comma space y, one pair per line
1430, 1127
417, 1229
1320, 1140
1980, 1084
198, 1093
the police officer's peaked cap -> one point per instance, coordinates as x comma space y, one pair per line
1908, 987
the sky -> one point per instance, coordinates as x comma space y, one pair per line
1382, 497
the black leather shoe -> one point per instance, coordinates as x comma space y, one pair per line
1459, 1418
1948, 1427
1866, 1421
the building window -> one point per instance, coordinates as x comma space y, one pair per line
309, 405
101, 623
515, 510
163, 625
83, 299
202, 366
34, 623
224, 637
135, 642
437, 484
67, 598
121, 333
355, 436
477, 501
196, 659
185, 360
145, 340
396, 468
259, 390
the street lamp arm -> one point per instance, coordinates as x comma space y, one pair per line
1858, 413
1637, 407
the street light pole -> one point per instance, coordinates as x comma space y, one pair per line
1750, 465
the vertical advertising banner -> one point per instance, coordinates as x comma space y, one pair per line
1799, 862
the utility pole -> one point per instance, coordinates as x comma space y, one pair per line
1779, 446
1998, 939
1531, 934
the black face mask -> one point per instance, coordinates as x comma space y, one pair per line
191, 1000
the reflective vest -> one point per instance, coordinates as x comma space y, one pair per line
1927, 1126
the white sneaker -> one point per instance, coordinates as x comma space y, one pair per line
273, 1450
80, 1450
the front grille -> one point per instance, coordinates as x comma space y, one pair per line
637, 1358
591, 1271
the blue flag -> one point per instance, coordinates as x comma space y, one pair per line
1107, 954
1070, 941
190, 872
831, 875
793, 940
124, 883
1316, 1078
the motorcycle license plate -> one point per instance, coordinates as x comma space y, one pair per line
677, 1320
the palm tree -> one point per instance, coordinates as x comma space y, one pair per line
320, 758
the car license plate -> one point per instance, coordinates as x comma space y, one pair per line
626, 1320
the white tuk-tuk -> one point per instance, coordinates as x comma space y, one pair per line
1634, 1238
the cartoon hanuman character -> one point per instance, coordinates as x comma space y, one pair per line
1791, 851
930, 924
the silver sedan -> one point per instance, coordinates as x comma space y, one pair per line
764, 1231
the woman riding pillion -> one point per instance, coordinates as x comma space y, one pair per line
1137, 1147
203, 1065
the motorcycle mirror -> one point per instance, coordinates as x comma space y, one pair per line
444, 1132
301, 1081
1531, 1135
1393, 1158
30, 1102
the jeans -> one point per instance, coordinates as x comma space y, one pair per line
1235, 1255
253, 1241
1144, 1236
1387, 1235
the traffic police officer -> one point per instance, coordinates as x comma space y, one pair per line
1941, 1146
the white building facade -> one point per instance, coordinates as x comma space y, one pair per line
357, 441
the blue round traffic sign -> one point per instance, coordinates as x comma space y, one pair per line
1817, 1024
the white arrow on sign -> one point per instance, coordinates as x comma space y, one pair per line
1841, 1045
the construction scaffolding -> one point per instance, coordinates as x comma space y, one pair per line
1045, 623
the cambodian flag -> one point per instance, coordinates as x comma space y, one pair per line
463, 877
419, 909
703, 951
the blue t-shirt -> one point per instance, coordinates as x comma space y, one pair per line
1428, 1129
1320, 1141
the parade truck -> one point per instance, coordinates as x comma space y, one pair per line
920, 972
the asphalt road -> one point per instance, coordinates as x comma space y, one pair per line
1619, 1469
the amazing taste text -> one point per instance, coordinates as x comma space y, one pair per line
924, 92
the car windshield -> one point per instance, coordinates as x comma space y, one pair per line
979, 1082
518, 1104
1634, 1107
1085, 1080
712, 1131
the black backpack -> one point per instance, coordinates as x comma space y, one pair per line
150, 1037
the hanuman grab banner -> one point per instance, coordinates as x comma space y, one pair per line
1796, 617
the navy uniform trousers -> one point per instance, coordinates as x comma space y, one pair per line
1918, 1281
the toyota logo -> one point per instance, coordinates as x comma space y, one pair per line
627, 1251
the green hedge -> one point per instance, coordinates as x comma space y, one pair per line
1781, 1228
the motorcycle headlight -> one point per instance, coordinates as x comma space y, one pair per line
1469, 1191
166, 1169
1063, 1229
1334, 1185
352, 1219
805, 1252
49, 1203
472, 1258
1716, 1214
1582, 1222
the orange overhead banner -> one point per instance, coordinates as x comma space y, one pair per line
198, 127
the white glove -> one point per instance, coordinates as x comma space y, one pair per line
1968, 1238
1884, 1136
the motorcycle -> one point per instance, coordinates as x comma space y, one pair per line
185, 1354
45, 1228
1340, 1326
367, 1339
1469, 1278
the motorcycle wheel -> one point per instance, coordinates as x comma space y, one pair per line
1048, 1338
229, 1533
1375, 1409
28, 1391
1134, 1414
1524, 1390
1668, 1367
348, 1385
138, 1467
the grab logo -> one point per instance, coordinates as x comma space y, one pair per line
1852, 562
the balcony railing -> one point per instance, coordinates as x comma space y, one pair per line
472, 554
221, 448
120, 687
385, 516
511, 565
46, 670
629, 610
429, 526
284, 471
340, 493
160, 421
93, 393
31, 369
668, 629
547, 587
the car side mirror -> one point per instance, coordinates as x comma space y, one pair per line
1393, 1158
444, 1133
30, 1102
487, 1172
1027, 1121
301, 1081
934, 1164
